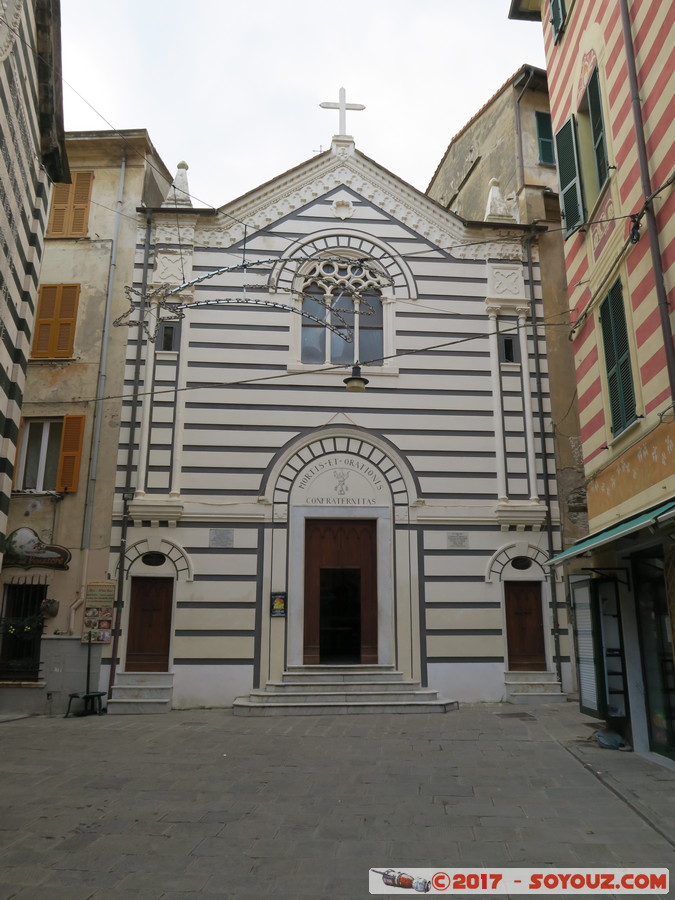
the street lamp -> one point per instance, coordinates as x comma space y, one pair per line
356, 383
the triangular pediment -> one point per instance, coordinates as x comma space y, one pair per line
347, 178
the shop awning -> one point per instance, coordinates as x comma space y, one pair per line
632, 523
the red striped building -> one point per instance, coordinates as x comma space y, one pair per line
610, 73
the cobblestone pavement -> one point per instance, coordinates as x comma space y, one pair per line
202, 804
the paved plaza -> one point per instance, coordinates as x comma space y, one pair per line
203, 804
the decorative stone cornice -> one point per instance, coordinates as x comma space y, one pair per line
518, 514
155, 511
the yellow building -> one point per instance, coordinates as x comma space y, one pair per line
60, 512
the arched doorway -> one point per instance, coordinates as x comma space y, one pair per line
343, 551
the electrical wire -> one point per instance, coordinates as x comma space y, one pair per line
220, 210
640, 214
210, 385
100, 114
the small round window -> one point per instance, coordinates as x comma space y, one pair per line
521, 562
153, 559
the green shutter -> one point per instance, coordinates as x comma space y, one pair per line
617, 360
597, 128
545, 138
569, 175
557, 17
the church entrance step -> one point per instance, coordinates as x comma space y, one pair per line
339, 690
313, 687
342, 696
244, 707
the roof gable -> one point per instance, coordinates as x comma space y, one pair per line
344, 175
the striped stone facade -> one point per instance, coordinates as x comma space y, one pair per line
31, 153
231, 444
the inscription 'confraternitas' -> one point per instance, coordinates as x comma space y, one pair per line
341, 501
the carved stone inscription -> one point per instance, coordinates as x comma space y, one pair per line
340, 480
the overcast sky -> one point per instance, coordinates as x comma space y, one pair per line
234, 87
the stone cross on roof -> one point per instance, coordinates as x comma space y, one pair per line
343, 106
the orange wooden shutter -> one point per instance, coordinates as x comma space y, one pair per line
69, 215
63, 334
55, 321
45, 320
81, 193
19, 440
58, 219
71, 454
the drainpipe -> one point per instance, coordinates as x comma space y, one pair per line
641, 144
98, 410
544, 456
128, 491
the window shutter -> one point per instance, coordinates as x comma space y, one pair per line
17, 457
545, 138
55, 321
70, 455
64, 331
79, 219
45, 320
69, 215
557, 17
597, 127
617, 360
569, 175
59, 212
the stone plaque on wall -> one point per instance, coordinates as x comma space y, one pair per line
457, 540
222, 538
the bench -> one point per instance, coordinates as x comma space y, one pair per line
92, 702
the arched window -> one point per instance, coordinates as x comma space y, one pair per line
346, 296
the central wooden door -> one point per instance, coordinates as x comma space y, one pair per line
340, 625
524, 626
149, 635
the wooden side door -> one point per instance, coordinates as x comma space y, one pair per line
524, 626
341, 544
149, 634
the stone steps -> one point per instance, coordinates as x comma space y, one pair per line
533, 687
141, 693
309, 687
341, 690
134, 707
243, 707
342, 696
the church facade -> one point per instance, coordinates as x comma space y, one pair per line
267, 518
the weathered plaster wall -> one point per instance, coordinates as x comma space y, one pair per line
483, 151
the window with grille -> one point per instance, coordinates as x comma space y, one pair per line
347, 297
21, 631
